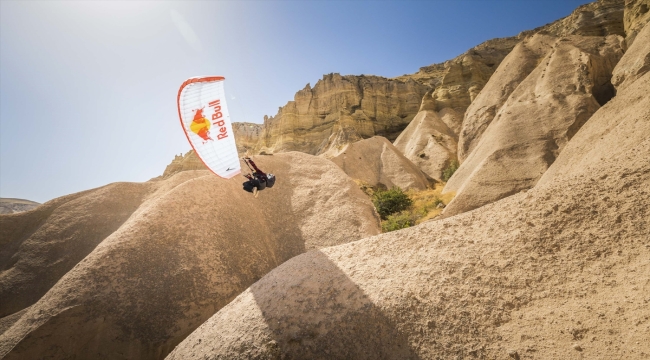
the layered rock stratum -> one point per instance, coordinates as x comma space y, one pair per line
128, 270
560, 271
339, 110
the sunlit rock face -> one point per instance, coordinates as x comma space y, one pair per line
477, 284
430, 140
128, 270
538, 117
377, 162
637, 14
339, 110
246, 136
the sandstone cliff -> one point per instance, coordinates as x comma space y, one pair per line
339, 110
377, 162
541, 114
186, 162
246, 136
161, 257
558, 272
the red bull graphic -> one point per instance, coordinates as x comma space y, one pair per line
204, 117
201, 126
217, 119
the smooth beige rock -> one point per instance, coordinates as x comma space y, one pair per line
540, 116
523, 59
563, 263
627, 125
340, 110
190, 245
429, 142
635, 63
377, 162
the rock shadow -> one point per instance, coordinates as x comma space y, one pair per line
315, 311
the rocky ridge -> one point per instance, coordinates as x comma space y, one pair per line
560, 271
134, 268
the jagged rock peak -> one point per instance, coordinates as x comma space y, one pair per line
341, 109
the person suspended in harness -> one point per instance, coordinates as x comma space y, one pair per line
257, 180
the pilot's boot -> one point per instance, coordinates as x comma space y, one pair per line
255, 192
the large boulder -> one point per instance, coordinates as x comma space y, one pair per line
558, 272
539, 117
378, 163
186, 246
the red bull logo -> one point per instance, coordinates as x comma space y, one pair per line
201, 126
217, 119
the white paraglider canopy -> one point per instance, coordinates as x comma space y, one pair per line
206, 122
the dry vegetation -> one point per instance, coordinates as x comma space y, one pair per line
426, 205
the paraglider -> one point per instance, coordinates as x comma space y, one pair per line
206, 123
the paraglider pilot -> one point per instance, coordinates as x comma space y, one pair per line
257, 180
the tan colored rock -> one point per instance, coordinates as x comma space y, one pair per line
186, 162
340, 110
636, 15
537, 120
635, 63
194, 242
523, 59
621, 132
428, 141
246, 136
12, 205
377, 162
562, 264
598, 18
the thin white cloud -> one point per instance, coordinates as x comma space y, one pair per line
186, 31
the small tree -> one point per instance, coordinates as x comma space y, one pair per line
449, 170
390, 201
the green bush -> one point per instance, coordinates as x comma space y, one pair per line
397, 221
390, 201
449, 170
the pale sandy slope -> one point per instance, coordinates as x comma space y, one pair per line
192, 244
559, 272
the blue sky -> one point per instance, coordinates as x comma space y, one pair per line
88, 89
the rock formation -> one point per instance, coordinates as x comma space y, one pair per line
170, 254
377, 162
11, 205
540, 114
430, 140
246, 135
558, 272
339, 110
186, 162
636, 15
634, 63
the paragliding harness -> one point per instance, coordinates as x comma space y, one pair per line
257, 179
